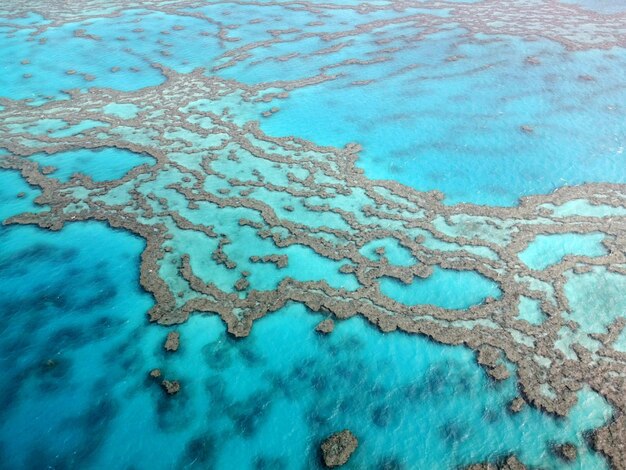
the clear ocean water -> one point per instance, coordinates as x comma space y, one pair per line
75, 337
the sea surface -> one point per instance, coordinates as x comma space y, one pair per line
475, 114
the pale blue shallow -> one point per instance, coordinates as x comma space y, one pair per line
76, 342
269, 397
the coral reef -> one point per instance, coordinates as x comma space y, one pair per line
485, 240
214, 165
172, 342
171, 387
566, 451
337, 448
325, 326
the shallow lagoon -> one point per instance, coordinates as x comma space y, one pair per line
100, 165
468, 115
546, 250
78, 394
424, 120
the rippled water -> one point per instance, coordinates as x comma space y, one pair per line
458, 111
76, 393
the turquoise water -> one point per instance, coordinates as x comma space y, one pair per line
445, 288
597, 299
394, 252
12, 184
448, 125
78, 395
530, 311
100, 165
455, 126
440, 107
546, 250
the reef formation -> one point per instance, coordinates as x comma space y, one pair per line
240, 180
337, 449
569, 24
224, 202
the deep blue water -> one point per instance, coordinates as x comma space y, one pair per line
77, 394
77, 344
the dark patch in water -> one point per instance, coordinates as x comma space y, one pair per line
491, 416
42, 457
219, 400
68, 337
390, 463
101, 265
319, 383
99, 278
90, 429
435, 381
415, 392
269, 463
200, 451
454, 433
351, 344
464, 385
250, 357
333, 349
248, 416
301, 372
315, 419
105, 326
280, 385
378, 391
34, 253
74, 271
23, 260
53, 373
216, 387
46, 298
124, 355
127, 363
382, 416
173, 413
15, 347
100, 298
9, 390
99, 415
218, 355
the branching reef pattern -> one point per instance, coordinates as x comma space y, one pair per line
224, 203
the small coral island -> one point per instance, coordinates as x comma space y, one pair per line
337, 448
